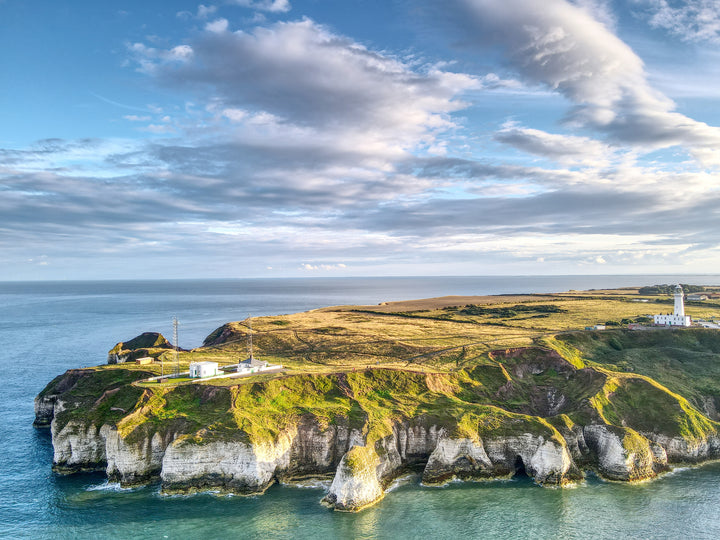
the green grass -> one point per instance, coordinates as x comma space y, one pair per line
685, 361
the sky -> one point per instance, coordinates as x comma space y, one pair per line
276, 138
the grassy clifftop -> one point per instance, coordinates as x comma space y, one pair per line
509, 392
685, 361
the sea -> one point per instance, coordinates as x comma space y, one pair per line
49, 327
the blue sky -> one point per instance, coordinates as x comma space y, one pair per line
336, 137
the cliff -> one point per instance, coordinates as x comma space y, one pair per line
546, 411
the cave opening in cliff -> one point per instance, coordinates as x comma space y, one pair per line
520, 471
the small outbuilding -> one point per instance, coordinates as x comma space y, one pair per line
252, 365
199, 370
595, 327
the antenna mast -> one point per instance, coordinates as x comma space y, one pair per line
175, 342
250, 352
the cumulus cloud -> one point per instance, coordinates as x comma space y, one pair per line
276, 6
309, 78
562, 45
689, 20
148, 58
218, 26
203, 12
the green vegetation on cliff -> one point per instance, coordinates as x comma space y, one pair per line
500, 366
687, 362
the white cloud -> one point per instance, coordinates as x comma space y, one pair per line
136, 118
324, 267
203, 11
217, 26
565, 149
277, 6
158, 128
236, 115
689, 20
313, 82
600, 10
181, 52
149, 58
493, 81
561, 45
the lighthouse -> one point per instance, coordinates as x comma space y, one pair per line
678, 318
679, 302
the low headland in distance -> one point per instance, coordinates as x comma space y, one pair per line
554, 386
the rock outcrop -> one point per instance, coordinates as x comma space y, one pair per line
151, 344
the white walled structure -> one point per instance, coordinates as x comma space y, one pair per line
203, 369
678, 318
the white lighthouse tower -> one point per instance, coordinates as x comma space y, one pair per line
678, 318
679, 302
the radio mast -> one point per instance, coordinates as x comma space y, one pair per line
175, 342
250, 352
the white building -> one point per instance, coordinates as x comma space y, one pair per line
678, 318
251, 365
203, 369
595, 327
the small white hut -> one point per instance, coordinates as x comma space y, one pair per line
252, 365
199, 370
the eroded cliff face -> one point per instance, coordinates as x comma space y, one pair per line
243, 439
623, 454
304, 450
360, 472
364, 472
77, 447
134, 463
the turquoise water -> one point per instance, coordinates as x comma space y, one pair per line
46, 328
680, 505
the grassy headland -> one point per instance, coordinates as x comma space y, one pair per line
471, 364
